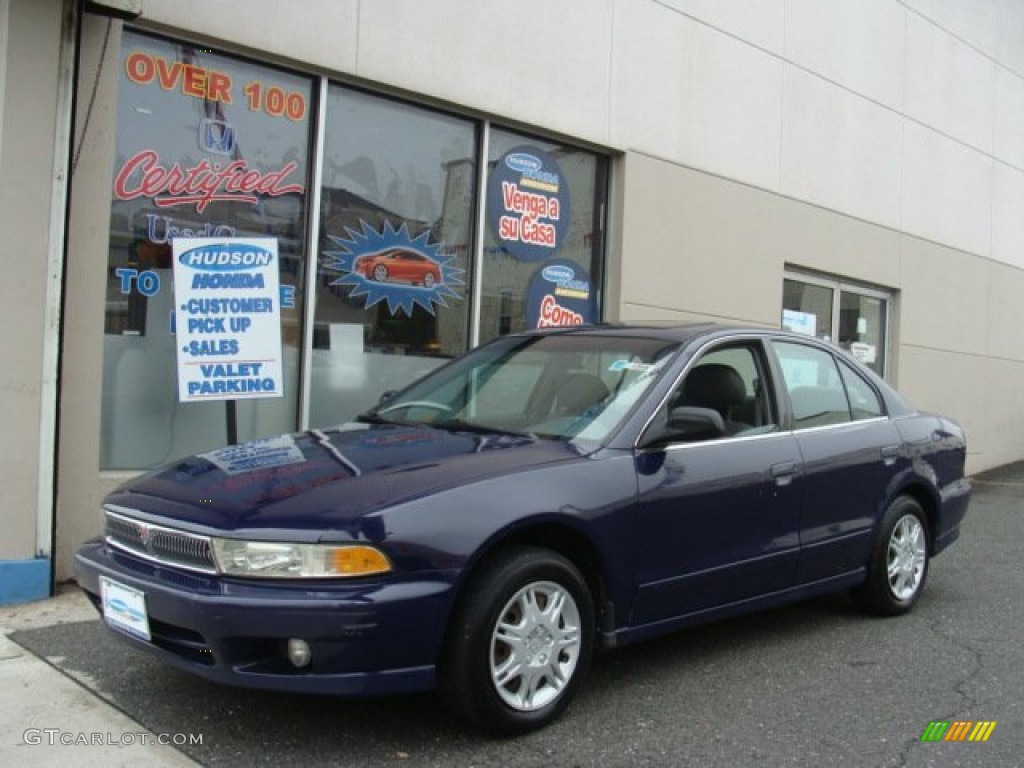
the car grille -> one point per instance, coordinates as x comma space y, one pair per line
159, 544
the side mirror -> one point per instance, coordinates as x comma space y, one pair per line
387, 395
686, 424
692, 423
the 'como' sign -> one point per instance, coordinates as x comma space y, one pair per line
560, 294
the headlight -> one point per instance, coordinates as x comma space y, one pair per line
280, 560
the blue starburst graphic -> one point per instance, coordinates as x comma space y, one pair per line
393, 267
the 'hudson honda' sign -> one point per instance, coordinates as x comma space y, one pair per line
227, 318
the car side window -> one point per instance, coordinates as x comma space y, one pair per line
814, 384
864, 401
731, 382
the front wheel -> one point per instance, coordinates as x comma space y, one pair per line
898, 565
520, 643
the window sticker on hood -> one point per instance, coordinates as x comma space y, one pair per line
259, 454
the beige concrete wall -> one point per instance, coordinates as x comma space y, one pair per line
700, 244
26, 169
697, 247
961, 348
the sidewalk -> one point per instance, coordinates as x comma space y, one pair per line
48, 719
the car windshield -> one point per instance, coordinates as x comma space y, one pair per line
560, 386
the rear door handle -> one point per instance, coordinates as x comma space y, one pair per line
889, 454
783, 472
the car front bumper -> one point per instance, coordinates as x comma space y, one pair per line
367, 638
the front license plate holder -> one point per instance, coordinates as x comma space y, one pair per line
124, 608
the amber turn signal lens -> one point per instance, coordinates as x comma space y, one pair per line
359, 561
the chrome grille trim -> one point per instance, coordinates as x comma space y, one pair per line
160, 544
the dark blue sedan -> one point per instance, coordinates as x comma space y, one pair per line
483, 529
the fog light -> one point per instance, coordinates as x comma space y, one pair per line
298, 652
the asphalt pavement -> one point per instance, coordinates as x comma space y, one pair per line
811, 684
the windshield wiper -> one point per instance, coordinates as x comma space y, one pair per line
373, 418
459, 425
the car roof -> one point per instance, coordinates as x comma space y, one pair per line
680, 333
683, 333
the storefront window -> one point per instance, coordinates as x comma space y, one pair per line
207, 146
210, 145
396, 235
544, 245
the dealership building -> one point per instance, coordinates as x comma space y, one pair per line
426, 176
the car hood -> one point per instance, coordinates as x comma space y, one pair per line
324, 479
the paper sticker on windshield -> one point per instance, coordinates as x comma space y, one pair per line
627, 365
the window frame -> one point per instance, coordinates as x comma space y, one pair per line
842, 365
840, 286
847, 370
253, 414
767, 368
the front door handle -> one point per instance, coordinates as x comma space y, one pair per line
889, 454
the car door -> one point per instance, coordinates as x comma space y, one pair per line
398, 266
849, 448
717, 519
415, 267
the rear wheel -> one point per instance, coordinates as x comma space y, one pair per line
898, 565
520, 643
380, 273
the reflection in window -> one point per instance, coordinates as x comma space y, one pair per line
816, 391
247, 121
560, 386
864, 401
731, 382
393, 261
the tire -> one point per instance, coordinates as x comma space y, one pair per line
520, 643
380, 273
898, 566
428, 280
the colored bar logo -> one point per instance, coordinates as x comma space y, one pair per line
958, 730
